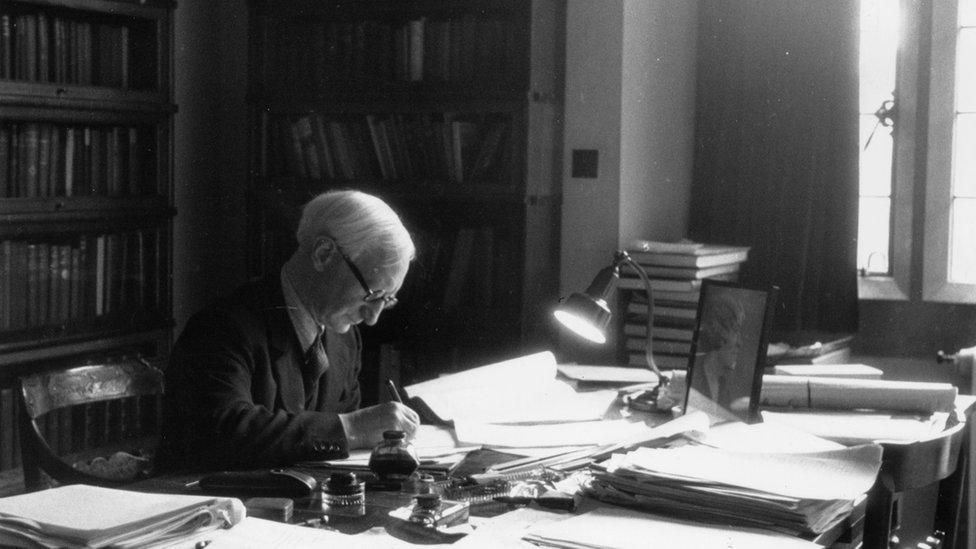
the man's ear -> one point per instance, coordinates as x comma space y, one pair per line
322, 252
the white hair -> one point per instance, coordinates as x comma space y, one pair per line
360, 223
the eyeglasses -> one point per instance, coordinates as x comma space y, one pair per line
372, 296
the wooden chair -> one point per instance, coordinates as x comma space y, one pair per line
95, 423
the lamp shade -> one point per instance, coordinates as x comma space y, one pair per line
585, 315
588, 315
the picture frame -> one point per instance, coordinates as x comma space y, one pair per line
728, 350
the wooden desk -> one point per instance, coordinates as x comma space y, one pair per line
845, 535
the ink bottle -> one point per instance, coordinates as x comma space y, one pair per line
431, 511
394, 458
343, 494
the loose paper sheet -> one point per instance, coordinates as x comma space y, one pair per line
432, 442
861, 427
520, 390
579, 433
255, 533
763, 437
606, 374
547, 434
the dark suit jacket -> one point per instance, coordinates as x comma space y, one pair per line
235, 393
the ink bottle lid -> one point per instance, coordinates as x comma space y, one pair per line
394, 457
343, 494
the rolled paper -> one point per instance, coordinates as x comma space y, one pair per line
853, 394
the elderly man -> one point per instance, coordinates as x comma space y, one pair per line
269, 375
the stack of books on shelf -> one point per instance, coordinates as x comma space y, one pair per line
676, 271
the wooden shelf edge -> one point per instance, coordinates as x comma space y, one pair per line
79, 204
289, 188
31, 351
422, 96
15, 93
152, 9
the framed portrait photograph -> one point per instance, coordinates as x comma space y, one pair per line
729, 350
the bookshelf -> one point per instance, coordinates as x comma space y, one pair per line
86, 206
450, 111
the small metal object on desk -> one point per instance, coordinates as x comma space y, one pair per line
431, 511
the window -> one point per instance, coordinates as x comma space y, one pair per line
950, 194
892, 67
888, 88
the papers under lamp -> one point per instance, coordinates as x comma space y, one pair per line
588, 315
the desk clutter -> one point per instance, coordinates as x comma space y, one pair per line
561, 464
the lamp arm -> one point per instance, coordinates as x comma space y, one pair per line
623, 258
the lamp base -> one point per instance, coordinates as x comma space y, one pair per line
647, 397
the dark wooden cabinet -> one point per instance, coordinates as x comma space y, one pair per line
448, 109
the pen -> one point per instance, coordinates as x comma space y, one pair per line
393, 391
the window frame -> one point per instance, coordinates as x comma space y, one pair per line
936, 285
897, 285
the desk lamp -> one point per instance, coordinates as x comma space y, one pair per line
588, 315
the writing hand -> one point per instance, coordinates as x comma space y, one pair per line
364, 427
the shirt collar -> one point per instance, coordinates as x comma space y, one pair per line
305, 326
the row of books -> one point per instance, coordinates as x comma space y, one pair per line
462, 270
415, 50
392, 146
38, 47
676, 274
39, 159
88, 276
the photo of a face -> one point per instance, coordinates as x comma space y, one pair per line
729, 351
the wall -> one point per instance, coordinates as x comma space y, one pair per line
630, 74
210, 151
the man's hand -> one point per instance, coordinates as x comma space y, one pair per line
364, 428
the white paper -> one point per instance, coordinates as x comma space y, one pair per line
606, 374
520, 390
255, 533
839, 474
432, 442
763, 437
861, 427
619, 528
549, 434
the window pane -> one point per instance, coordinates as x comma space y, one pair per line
962, 261
874, 223
965, 75
964, 157
879, 45
967, 13
875, 161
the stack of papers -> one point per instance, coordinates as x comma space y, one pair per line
616, 528
791, 493
89, 516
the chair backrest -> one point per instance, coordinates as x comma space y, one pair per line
51, 399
